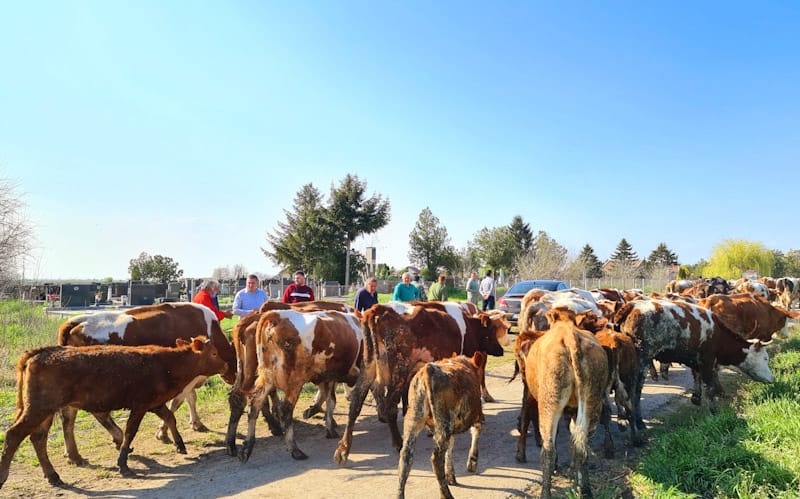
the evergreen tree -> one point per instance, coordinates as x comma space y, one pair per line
624, 253
521, 234
625, 261
592, 265
662, 256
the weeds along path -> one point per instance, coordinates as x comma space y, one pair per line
208, 472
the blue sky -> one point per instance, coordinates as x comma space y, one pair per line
186, 128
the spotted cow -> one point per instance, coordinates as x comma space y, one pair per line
160, 324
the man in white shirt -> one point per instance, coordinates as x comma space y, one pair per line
487, 291
250, 298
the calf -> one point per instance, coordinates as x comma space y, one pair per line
564, 368
445, 396
102, 379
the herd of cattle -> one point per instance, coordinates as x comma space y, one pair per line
574, 348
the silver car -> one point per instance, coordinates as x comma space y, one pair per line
510, 302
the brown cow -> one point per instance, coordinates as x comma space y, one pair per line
160, 324
102, 379
399, 339
294, 348
445, 396
564, 368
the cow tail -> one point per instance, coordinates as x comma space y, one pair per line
580, 434
22, 366
369, 339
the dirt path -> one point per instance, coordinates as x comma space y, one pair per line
370, 472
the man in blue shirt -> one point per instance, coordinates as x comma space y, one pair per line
250, 298
367, 296
405, 291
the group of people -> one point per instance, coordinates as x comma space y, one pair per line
252, 296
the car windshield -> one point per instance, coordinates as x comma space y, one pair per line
523, 287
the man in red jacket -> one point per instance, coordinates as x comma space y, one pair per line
298, 291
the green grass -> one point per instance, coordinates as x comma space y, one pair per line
750, 449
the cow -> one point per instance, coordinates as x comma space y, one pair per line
624, 367
675, 331
677, 286
445, 396
788, 290
294, 348
754, 287
565, 367
101, 379
161, 325
399, 339
306, 306
750, 316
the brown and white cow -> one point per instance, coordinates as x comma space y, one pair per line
161, 325
445, 396
565, 368
294, 348
102, 379
676, 331
399, 339
756, 288
750, 316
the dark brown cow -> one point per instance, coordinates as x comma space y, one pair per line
565, 367
445, 396
102, 379
675, 331
161, 325
399, 339
294, 348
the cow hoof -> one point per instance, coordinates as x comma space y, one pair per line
78, 461
696, 399
521, 457
472, 466
331, 434
314, 409
298, 455
198, 426
340, 456
181, 449
622, 428
55, 480
488, 398
232, 451
451, 479
162, 435
127, 472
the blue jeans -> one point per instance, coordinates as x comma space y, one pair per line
488, 303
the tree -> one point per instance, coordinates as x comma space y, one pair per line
521, 234
732, 257
662, 256
429, 244
547, 260
222, 274
496, 247
300, 243
352, 215
792, 262
157, 268
16, 233
590, 265
625, 261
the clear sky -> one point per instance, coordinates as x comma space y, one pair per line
186, 128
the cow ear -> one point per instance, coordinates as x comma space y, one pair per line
181, 342
198, 342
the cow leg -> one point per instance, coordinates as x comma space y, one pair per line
412, 425
39, 440
359, 393
475, 433
270, 414
487, 397
440, 445
287, 421
449, 469
134, 420
168, 419
522, 425
107, 422
664, 370
257, 399
68, 415
316, 406
236, 405
605, 420
330, 405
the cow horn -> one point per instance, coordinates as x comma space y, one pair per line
754, 329
754, 340
765, 343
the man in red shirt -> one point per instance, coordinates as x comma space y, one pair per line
298, 291
208, 290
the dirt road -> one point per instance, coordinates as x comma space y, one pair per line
370, 472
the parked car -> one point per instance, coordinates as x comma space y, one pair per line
510, 302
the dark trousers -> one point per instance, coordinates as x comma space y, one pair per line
488, 304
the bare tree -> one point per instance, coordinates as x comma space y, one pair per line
548, 260
16, 233
222, 274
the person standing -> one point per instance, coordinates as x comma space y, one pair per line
298, 291
487, 291
474, 289
250, 298
366, 297
209, 290
405, 291
438, 290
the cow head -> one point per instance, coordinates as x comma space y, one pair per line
493, 333
756, 361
